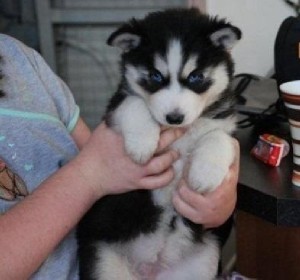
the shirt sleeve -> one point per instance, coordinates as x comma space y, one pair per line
67, 109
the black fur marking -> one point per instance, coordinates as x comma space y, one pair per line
152, 85
196, 229
114, 102
199, 87
119, 218
172, 224
86, 254
222, 108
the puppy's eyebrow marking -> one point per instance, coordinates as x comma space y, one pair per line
161, 65
189, 66
133, 74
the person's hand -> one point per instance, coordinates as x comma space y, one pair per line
214, 208
106, 167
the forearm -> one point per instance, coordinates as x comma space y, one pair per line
81, 134
33, 228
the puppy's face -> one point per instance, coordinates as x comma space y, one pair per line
177, 61
175, 88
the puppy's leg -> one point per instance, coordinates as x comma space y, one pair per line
202, 264
210, 161
111, 265
141, 133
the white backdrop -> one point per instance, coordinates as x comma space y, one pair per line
259, 21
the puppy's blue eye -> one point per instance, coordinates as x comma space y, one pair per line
194, 78
156, 77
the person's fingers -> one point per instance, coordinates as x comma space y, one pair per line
160, 163
228, 186
185, 209
213, 208
236, 163
189, 196
157, 181
167, 137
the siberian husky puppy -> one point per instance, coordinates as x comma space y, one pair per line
176, 72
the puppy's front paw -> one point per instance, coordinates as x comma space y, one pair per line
207, 176
141, 147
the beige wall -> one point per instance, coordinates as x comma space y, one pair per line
201, 4
259, 20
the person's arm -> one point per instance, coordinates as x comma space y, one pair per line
81, 133
214, 208
35, 226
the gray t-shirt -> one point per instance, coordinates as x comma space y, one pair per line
37, 115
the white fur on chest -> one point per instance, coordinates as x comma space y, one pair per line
173, 256
186, 146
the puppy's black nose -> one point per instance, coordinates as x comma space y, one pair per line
174, 118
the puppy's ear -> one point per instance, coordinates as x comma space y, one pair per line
127, 37
226, 37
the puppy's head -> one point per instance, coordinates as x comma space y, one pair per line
178, 61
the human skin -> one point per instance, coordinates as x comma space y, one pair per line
35, 226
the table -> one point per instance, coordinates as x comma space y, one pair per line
268, 216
